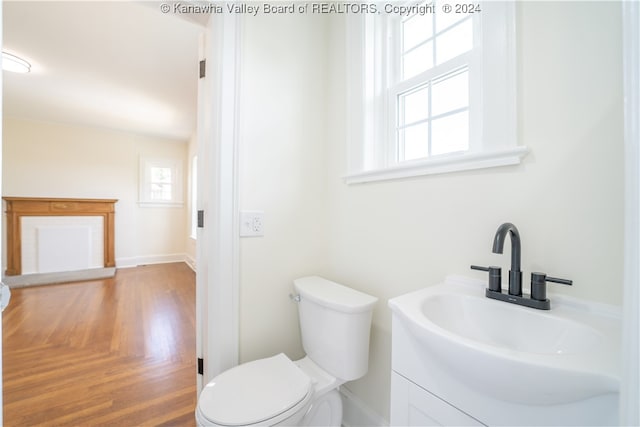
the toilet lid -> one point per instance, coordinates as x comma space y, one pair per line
254, 392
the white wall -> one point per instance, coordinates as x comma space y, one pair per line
566, 198
282, 172
60, 160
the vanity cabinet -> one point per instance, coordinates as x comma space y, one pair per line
417, 396
411, 405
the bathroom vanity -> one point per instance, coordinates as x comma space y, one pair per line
459, 358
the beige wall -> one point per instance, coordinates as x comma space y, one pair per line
282, 172
59, 160
566, 198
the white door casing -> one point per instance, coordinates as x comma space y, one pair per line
630, 384
218, 241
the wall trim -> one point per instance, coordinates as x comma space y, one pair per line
151, 259
218, 254
191, 262
630, 385
356, 413
39, 279
442, 164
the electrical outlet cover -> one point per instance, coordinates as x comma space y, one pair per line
251, 223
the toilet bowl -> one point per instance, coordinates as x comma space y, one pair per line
334, 323
271, 391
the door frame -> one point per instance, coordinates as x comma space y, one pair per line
217, 253
630, 383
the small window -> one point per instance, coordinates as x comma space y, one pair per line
430, 91
160, 182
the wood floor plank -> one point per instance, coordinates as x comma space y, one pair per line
116, 352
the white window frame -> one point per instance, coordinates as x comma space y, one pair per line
145, 196
492, 117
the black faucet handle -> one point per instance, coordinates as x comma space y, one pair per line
561, 281
539, 285
495, 276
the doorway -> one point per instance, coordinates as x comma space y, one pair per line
119, 96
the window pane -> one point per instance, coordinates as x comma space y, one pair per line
418, 60
414, 106
450, 94
160, 191
416, 141
450, 134
454, 42
161, 174
415, 30
445, 20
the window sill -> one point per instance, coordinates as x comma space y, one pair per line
439, 165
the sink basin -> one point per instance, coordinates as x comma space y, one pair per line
510, 352
520, 330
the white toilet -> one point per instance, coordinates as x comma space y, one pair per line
334, 322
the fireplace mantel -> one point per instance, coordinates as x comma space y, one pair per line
17, 207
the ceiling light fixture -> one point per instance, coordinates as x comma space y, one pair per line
13, 63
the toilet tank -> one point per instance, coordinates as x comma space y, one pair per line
335, 322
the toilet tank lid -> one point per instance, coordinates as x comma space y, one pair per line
333, 295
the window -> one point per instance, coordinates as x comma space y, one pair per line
160, 182
433, 118
432, 92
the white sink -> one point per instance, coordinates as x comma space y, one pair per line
515, 353
517, 329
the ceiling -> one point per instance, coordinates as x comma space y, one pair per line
111, 64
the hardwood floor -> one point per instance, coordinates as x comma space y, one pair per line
112, 352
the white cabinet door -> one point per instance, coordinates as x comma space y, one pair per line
412, 405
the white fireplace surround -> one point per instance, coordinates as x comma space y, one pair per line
61, 243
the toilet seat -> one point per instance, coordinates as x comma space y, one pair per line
264, 392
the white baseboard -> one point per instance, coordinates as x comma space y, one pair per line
150, 259
58, 277
188, 259
356, 414
95, 273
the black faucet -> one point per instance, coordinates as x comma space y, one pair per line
538, 298
515, 275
